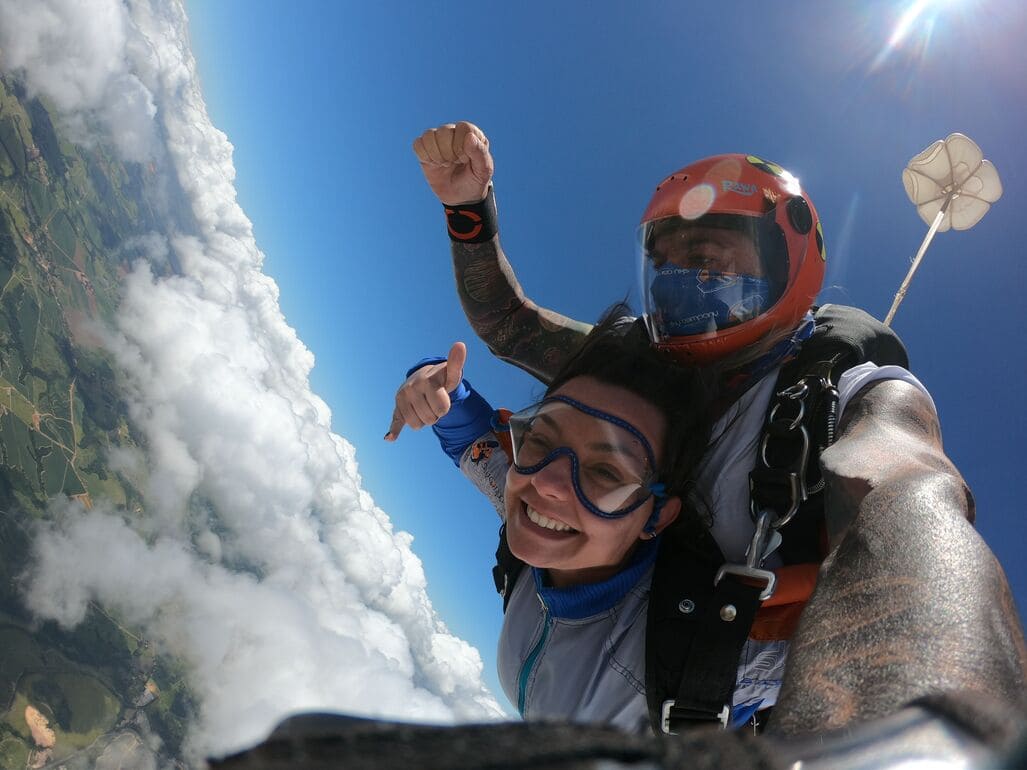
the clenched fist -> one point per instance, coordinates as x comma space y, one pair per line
456, 162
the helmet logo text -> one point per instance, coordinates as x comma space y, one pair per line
728, 185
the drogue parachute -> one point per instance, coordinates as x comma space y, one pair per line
952, 187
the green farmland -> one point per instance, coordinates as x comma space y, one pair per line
66, 215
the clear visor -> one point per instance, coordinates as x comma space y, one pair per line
610, 461
708, 274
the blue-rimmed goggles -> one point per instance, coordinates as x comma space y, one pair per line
613, 468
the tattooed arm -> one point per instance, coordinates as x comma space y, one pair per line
515, 328
910, 601
458, 166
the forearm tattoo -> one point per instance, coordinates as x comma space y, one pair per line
516, 330
911, 601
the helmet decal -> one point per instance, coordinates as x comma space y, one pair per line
820, 243
766, 166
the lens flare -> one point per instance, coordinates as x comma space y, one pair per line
906, 22
697, 201
918, 22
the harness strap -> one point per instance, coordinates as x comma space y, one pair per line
501, 429
711, 667
508, 568
680, 595
707, 654
778, 616
786, 480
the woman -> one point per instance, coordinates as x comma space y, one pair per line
586, 481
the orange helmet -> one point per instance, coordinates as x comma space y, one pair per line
746, 194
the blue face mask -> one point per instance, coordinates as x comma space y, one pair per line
694, 301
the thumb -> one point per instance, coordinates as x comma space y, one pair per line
395, 426
455, 365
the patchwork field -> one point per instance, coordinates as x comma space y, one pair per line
67, 214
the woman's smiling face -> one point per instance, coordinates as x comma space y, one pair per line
546, 523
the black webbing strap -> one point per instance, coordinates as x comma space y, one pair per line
842, 338
692, 659
680, 599
507, 568
711, 668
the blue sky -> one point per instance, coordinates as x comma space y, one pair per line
586, 112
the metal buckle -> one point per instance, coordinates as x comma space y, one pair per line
754, 558
796, 421
751, 573
665, 717
798, 494
791, 425
723, 717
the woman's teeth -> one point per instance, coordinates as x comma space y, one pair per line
542, 521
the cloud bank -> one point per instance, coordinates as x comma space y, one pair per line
79, 54
259, 559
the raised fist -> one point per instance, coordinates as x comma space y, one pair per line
456, 162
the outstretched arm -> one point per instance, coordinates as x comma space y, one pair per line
910, 601
468, 429
458, 166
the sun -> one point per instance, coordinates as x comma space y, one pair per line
916, 22
906, 22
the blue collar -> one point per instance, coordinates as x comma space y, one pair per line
582, 601
740, 381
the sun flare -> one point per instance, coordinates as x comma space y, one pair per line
913, 28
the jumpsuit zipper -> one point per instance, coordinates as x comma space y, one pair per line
532, 659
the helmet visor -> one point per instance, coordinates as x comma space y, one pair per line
611, 462
708, 274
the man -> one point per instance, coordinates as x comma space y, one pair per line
909, 600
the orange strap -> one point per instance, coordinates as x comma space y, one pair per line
503, 418
778, 616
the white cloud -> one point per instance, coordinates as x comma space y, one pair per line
71, 51
218, 383
228, 626
152, 246
78, 55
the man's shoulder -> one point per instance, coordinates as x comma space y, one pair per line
856, 381
855, 335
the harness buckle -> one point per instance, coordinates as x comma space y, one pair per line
765, 524
787, 429
741, 570
665, 716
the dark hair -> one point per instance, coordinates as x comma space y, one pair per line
617, 352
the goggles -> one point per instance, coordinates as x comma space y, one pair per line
613, 468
